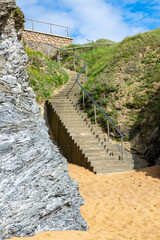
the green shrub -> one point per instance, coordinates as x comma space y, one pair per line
18, 16
45, 75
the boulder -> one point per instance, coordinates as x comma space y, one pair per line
36, 192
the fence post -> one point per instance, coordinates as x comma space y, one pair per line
83, 101
32, 26
50, 28
108, 129
67, 32
122, 148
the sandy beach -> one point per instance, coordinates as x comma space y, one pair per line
124, 206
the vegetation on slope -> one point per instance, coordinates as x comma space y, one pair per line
124, 79
92, 43
44, 74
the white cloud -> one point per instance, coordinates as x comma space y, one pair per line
87, 19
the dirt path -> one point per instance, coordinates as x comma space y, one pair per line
122, 206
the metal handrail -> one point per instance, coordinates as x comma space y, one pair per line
51, 24
84, 91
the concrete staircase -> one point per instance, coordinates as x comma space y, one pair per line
81, 141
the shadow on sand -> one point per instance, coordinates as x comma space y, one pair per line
151, 171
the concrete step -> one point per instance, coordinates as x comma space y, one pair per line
103, 158
72, 90
68, 93
62, 102
96, 155
74, 98
107, 162
111, 170
81, 136
72, 117
77, 124
91, 150
66, 119
72, 86
66, 110
74, 101
100, 158
113, 167
75, 121
77, 129
90, 143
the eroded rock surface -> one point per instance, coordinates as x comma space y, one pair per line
36, 191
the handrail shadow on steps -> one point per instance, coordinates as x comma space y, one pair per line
84, 91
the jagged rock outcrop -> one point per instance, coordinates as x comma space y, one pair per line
36, 191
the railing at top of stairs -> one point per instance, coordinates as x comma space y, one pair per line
51, 25
85, 92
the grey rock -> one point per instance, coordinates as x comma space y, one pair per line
36, 191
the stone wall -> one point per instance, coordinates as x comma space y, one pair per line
38, 41
68, 147
36, 192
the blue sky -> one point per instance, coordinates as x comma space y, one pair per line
95, 19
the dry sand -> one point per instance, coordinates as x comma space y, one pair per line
123, 206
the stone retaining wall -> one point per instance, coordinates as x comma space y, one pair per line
62, 137
38, 41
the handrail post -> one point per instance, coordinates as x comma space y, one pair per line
122, 148
67, 31
108, 129
50, 28
32, 26
86, 73
83, 101
74, 61
95, 115
58, 56
48, 51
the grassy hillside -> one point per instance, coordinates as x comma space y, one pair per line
99, 41
124, 79
127, 77
44, 74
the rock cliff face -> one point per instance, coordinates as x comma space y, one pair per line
36, 191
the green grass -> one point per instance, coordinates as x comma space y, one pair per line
44, 74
